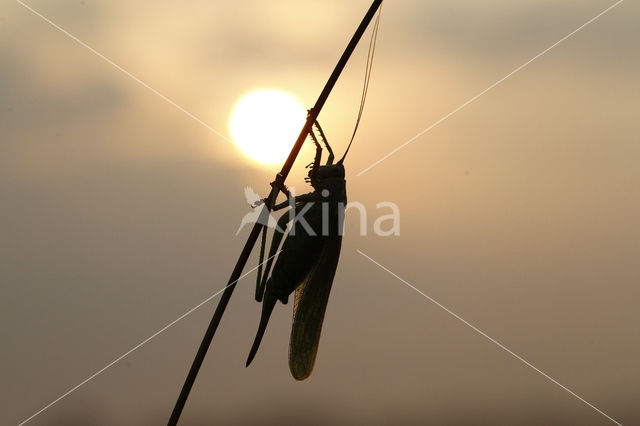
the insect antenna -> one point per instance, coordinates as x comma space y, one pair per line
367, 78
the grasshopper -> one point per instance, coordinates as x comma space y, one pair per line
308, 260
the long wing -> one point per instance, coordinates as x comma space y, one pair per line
308, 310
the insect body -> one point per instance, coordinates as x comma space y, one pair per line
308, 260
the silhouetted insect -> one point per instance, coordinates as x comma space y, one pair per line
309, 257
308, 260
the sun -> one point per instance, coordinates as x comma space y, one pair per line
265, 124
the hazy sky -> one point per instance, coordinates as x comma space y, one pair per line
520, 212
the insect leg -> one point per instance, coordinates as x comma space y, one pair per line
326, 143
259, 286
278, 233
311, 178
297, 203
260, 283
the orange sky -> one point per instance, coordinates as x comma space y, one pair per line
519, 212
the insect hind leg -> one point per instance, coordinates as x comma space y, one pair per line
278, 233
259, 285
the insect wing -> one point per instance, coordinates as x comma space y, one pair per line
309, 307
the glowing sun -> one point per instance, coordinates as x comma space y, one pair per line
265, 125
